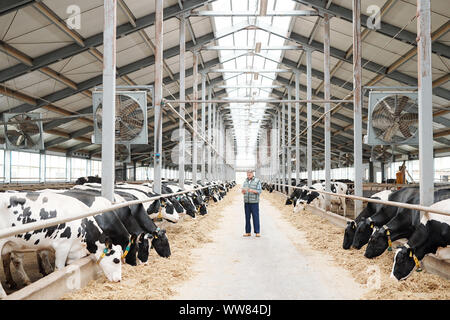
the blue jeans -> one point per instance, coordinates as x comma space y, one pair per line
251, 209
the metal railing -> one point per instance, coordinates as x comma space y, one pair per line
386, 202
12, 231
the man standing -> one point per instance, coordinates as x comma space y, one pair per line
251, 190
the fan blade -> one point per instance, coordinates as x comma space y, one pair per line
404, 129
400, 106
382, 122
409, 118
390, 132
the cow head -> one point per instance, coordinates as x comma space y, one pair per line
154, 207
177, 205
288, 201
378, 242
362, 234
143, 247
403, 263
108, 257
160, 243
130, 251
202, 209
349, 234
188, 205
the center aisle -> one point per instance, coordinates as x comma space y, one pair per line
278, 265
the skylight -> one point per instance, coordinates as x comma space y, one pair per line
247, 118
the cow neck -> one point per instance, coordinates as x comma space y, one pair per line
433, 238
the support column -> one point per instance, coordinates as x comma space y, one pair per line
158, 95
42, 164
194, 117
425, 92
209, 135
297, 127
288, 147
309, 117
279, 149
327, 96
203, 124
181, 124
7, 167
283, 146
109, 99
357, 104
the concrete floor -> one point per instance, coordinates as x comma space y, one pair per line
278, 265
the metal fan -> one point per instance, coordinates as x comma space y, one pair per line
131, 117
123, 153
393, 119
23, 131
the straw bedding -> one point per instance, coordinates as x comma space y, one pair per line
372, 274
155, 280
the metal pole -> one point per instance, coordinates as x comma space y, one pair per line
203, 124
209, 135
357, 104
109, 99
182, 136
214, 141
289, 151
194, 116
327, 95
158, 95
279, 146
283, 143
297, 128
425, 92
309, 117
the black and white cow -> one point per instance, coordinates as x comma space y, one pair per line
136, 218
70, 241
368, 211
295, 194
317, 199
383, 214
399, 227
431, 236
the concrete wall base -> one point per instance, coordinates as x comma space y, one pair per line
59, 283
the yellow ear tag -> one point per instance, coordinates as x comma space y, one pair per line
389, 240
419, 269
371, 225
410, 254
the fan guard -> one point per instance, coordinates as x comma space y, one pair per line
131, 117
122, 153
23, 131
393, 119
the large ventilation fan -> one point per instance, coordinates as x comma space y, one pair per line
123, 153
393, 118
131, 117
23, 131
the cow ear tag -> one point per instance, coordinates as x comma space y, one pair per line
371, 225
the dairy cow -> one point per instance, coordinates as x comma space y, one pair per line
70, 241
383, 214
368, 211
431, 236
399, 227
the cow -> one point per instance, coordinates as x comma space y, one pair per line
142, 221
70, 241
296, 194
310, 197
89, 179
431, 236
383, 214
399, 227
368, 211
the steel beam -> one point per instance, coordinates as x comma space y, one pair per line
109, 99
181, 127
157, 162
357, 105
426, 163
309, 116
327, 95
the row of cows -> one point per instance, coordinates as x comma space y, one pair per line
124, 235
378, 225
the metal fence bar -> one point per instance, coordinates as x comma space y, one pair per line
8, 232
390, 203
